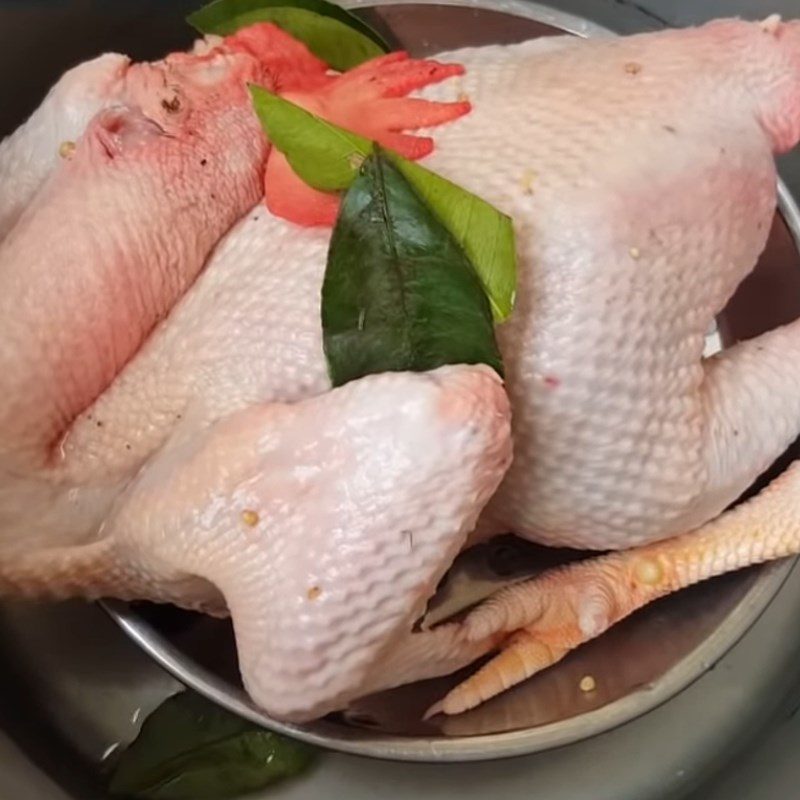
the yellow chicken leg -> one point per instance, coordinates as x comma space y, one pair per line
548, 616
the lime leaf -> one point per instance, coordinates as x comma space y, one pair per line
323, 155
328, 158
399, 293
485, 234
216, 16
191, 749
336, 36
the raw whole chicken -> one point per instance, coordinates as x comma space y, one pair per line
168, 430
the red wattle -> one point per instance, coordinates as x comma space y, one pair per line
369, 100
287, 63
288, 197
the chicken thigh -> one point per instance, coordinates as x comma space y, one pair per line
640, 176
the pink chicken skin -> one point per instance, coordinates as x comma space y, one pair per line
169, 430
152, 184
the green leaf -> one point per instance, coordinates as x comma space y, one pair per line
485, 234
191, 749
322, 154
399, 293
328, 158
216, 16
336, 36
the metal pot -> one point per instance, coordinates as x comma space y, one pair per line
640, 664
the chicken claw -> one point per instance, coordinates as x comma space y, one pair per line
547, 617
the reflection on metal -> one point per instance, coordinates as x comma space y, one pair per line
638, 665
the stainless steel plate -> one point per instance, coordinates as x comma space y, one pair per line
640, 663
